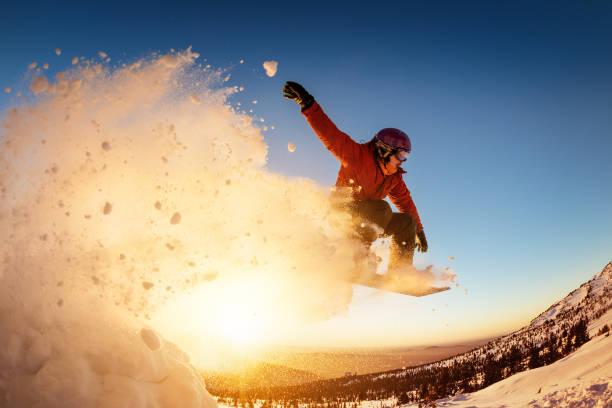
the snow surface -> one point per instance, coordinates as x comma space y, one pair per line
582, 379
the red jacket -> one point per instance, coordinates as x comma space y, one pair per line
360, 169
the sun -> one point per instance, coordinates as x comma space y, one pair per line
240, 324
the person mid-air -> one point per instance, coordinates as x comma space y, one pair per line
372, 171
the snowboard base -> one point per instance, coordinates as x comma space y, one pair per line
405, 284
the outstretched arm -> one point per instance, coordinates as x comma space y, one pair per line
339, 143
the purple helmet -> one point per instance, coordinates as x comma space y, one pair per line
395, 138
390, 141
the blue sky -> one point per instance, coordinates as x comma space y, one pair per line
508, 105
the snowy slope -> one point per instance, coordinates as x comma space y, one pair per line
582, 379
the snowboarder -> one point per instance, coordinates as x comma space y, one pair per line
372, 171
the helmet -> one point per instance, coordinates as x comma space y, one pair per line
389, 141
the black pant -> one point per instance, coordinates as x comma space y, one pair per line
401, 227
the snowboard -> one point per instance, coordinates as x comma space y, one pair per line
402, 283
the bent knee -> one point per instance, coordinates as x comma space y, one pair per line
382, 211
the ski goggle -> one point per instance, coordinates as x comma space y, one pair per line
402, 155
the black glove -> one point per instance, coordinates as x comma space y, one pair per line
421, 241
295, 91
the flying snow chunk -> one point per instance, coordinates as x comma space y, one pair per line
176, 218
194, 99
108, 208
102, 54
39, 85
46, 66
75, 60
452, 258
7, 89
58, 51
32, 65
255, 102
271, 67
291, 147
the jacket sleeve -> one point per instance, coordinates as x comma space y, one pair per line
401, 198
339, 143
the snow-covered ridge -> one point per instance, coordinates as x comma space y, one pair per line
593, 289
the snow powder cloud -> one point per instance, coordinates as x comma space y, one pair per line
120, 196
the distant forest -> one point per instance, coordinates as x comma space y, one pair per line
424, 383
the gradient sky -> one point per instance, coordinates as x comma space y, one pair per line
508, 104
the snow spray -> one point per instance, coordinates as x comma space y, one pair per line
122, 189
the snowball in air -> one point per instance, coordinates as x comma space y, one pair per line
32, 65
271, 67
291, 147
7, 89
194, 99
176, 218
102, 54
452, 258
75, 60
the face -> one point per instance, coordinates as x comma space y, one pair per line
391, 166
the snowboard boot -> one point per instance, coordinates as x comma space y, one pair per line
400, 259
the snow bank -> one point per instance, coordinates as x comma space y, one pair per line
120, 196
